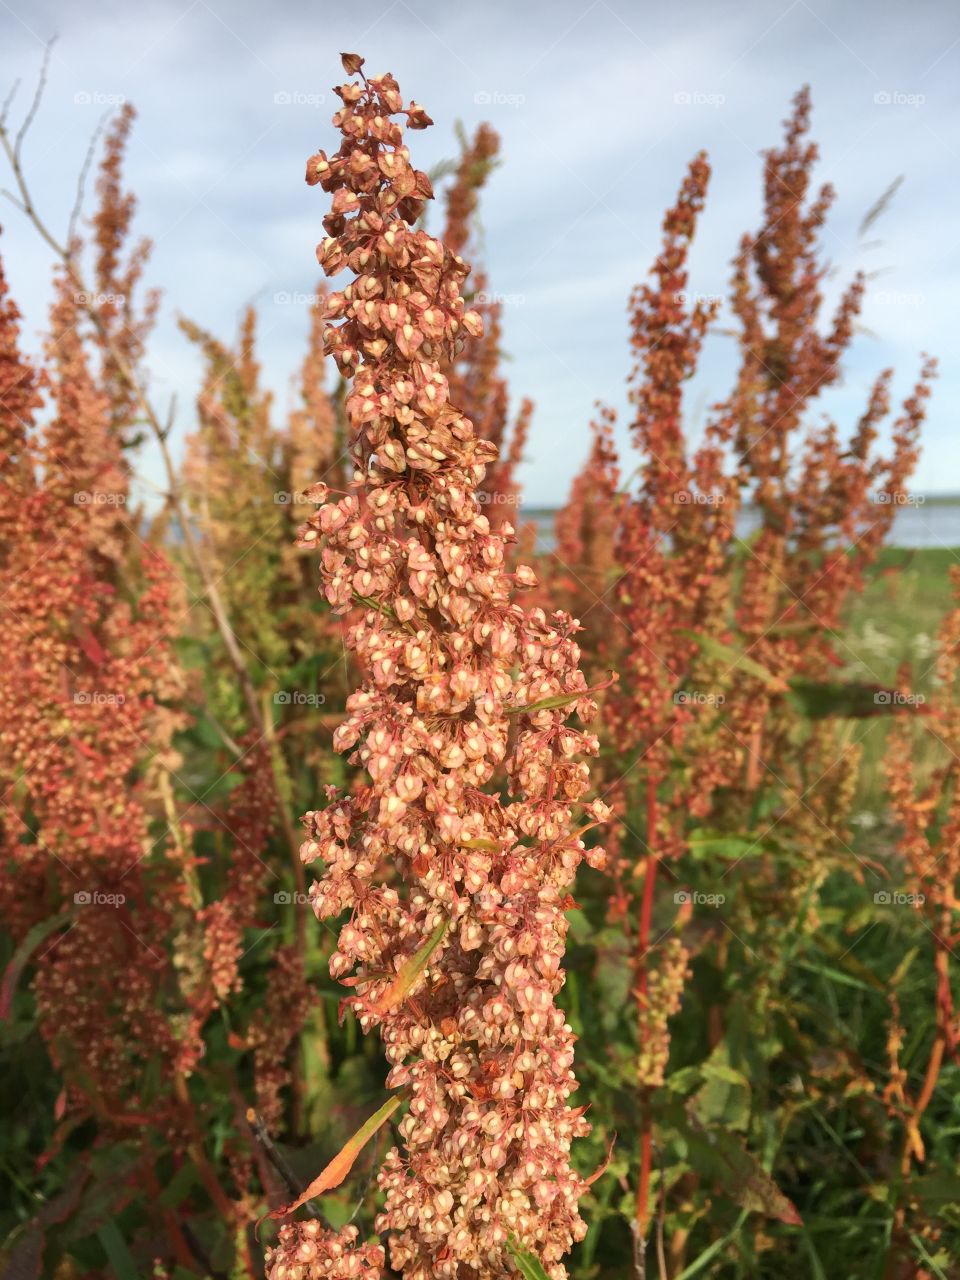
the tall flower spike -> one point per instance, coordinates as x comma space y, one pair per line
450, 663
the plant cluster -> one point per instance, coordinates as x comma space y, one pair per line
577, 828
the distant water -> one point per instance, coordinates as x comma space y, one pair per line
934, 522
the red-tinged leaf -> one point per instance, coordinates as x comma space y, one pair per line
55, 1146
22, 956
604, 1163
342, 1162
24, 1261
406, 979
721, 1155
89, 644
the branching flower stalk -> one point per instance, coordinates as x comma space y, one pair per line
475, 375
459, 682
929, 817
686, 730
120, 340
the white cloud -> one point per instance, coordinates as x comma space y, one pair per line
600, 105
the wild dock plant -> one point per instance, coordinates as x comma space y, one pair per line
456, 894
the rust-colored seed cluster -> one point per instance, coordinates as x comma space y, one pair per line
79, 696
453, 672
654, 571
136, 951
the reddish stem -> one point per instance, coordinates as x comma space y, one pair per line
753, 759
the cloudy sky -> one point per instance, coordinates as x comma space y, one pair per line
599, 106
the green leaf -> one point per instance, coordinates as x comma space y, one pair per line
721, 1156
527, 1263
853, 968
546, 704
405, 980
206, 732
725, 1095
820, 699
936, 1190
734, 658
710, 844
724, 1098
558, 700
934, 1262
712, 1250
898, 975
180, 1186
115, 1247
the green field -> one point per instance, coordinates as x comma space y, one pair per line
895, 621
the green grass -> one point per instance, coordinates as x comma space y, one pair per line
894, 622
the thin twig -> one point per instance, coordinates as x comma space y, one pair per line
38, 94
8, 102
639, 1251
13, 200
171, 416
661, 1219
374, 1164
82, 179
279, 1162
